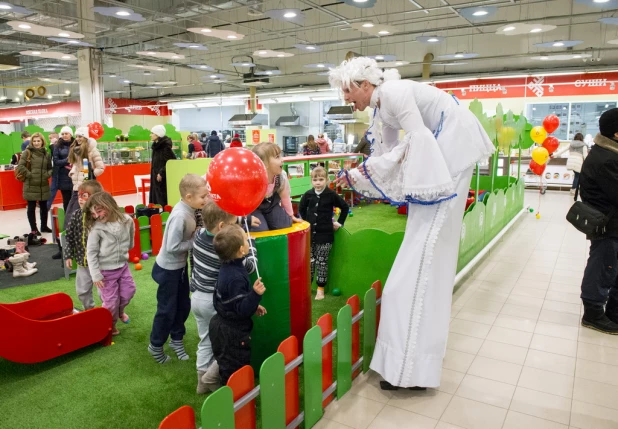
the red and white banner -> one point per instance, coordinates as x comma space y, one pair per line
534, 86
113, 106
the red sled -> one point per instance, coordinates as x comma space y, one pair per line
44, 328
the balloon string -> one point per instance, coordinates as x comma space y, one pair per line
540, 193
252, 249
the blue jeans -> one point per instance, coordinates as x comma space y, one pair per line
601, 274
173, 305
53, 191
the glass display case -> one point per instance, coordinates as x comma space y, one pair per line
131, 152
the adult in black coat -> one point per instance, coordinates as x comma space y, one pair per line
598, 183
161, 153
62, 167
215, 145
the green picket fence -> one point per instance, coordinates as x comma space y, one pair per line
233, 406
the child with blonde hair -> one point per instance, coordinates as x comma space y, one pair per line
275, 211
316, 207
109, 241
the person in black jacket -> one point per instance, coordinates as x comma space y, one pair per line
161, 153
60, 174
598, 183
316, 207
215, 145
235, 302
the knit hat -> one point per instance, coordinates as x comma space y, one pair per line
608, 123
236, 136
82, 131
66, 129
159, 130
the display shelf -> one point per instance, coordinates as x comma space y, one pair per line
131, 152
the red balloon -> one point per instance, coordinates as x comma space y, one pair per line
237, 181
95, 130
551, 144
536, 168
551, 123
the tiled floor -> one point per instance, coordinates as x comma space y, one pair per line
517, 357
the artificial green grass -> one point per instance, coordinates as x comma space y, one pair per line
375, 216
104, 387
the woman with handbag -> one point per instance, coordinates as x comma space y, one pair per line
35, 168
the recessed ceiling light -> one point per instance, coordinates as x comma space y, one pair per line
310, 48
36, 53
231, 36
123, 13
480, 13
289, 15
269, 72
64, 35
203, 67
245, 64
379, 57
600, 1
24, 26
20, 93
280, 55
360, 1
206, 30
66, 57
175, 57
384, 32
368, 25
126, 81
558, 44
262, 52
320, 65
544, 58
67, 92
73, 41
213, 76
16, 99
459, 55
194, 46
398, 63
112, 75
536, 30
433, 40
5, 6
577, 56
151, 53
508, 29
49, 96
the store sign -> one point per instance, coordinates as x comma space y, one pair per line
117, 106
534, 86
255, 136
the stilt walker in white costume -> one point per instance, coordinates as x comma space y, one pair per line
430, 170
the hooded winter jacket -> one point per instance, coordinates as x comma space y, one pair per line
61, 161
161, 153
94, 160
215, 145
36, 186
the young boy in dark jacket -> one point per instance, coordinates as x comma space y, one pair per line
236, 302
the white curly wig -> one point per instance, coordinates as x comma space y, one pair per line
360, 69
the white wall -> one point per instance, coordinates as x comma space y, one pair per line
205, 118
312, 118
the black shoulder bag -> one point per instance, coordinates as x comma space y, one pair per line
587, 219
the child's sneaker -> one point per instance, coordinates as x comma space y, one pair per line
124, 318
319, 296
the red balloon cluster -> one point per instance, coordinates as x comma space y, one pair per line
551, 143
237, 181
95, 130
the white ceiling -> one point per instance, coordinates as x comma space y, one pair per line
332, 27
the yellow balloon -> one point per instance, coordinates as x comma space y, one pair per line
538, 134
540, 155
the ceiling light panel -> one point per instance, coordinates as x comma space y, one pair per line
50, 80
431, 40
50, 54
308, 48
146, 67
267, 73
565, 57
166, 55
195, 46
382, 57
71, 42
164, 83
360, 3
6, 7
269, 53
243, 64
219, 34
457, 56
203, 67
286, 15
319, 66
520, 28
605, 4
40, 30
120, 13
391, 64
478, 14
374, 28
559, 44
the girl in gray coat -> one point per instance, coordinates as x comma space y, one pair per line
109, 241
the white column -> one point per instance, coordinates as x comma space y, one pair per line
89, 65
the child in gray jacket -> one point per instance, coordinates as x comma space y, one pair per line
109, 241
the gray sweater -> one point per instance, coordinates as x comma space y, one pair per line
178, 237
108, 246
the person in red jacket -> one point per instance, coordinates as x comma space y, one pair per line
236, 142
